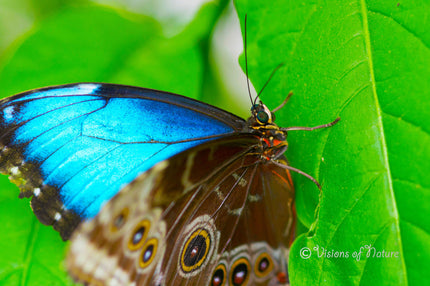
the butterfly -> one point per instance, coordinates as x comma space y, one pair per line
166, 190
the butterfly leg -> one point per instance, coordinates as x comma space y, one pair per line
311, 128
297, 171
283, 102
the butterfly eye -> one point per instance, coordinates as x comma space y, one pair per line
263, 117
119, 220
139, 235
240, 272
148, 252
219, 277
196, 250
263, 265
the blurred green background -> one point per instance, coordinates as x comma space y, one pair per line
164, 45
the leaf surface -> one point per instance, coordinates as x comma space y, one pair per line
367, 62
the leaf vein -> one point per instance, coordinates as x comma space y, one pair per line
415, 225
345, 214
352, 68
387, 225
402, 26
6, 274
400, 118
352, 96
324, 142
415, 184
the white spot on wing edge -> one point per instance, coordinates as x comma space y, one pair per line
8, 112
14, 170
86, 88
57, 216
36, 192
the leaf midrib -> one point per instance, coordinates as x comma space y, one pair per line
366, 34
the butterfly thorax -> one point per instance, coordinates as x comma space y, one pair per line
262, 123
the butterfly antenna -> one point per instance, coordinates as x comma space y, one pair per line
246, 64
268, 80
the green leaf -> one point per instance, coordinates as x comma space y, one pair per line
74, 45
84, 44
18, 16
32, 254
369, 63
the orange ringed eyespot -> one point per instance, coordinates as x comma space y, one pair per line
240, 272
119, 220
263, 265
139, 234
149, 250
195, 250
220, 276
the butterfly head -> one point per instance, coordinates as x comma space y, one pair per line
261, 115
262, 123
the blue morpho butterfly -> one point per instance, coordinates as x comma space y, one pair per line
205, 196
195, 195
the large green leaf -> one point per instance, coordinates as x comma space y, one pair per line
369, 63
88, 43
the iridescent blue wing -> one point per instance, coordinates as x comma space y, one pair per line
72, 147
